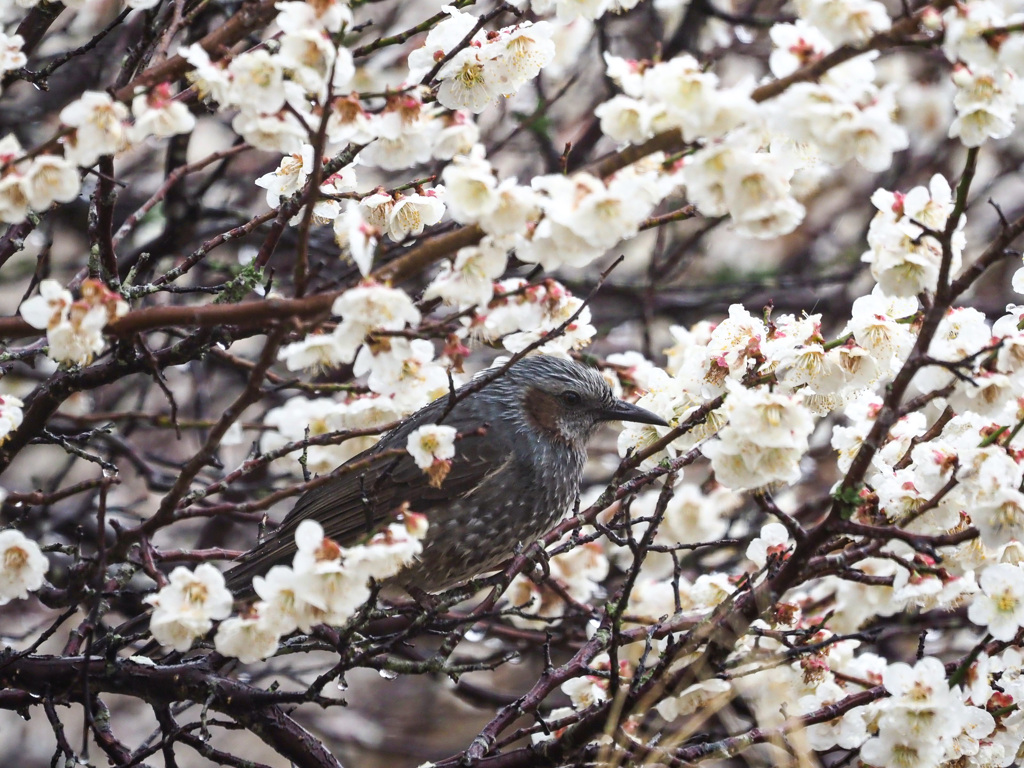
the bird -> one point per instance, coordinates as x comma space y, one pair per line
517, 469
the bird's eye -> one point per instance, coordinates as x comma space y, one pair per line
571, 397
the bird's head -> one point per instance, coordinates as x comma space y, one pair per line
567, 401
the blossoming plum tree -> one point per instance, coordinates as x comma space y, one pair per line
241, 239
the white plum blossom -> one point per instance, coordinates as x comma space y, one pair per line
470, 187
256, 81
587, 690
411, 213
247, 638
374, 306
525, 49
471, 80
986, 102
875, 325
348, 121
289, 177
187, 606
796, 45
442, 37
431, 443
99, 124
23, 565
307, 57
848, 731
904, 255
845, 21
157, 114
355, 235
14, 205
281, 132
400, 215
432, 447
492, 65
763, 442
10, 415
625, 119
285, 599
962, 333
326, 583
734, 345
458, 136
73, 328
49, 307
210, 78
706, 695
11, 55
1000, 606
470, 279
290, 421
49, 179
518, 207
403, 369
571, 10
296, 15
772, 541
317, 351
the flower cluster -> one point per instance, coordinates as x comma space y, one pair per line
74, 329
10, 415
493, 64
763, 441
521, 314
363, 309
301, 416
677, 93
187, 606
808, 375
274, 87
905, 252
845, 116
325, 584
754, 187
33, 185
11, 56
558, 220
401, 215
924, 722
988, 71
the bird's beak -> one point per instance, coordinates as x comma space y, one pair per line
623, 411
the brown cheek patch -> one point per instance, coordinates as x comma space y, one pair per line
542, 411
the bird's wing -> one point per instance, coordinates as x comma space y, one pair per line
356, 503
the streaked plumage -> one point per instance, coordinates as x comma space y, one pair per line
509, 482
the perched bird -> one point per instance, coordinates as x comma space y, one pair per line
517, 469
